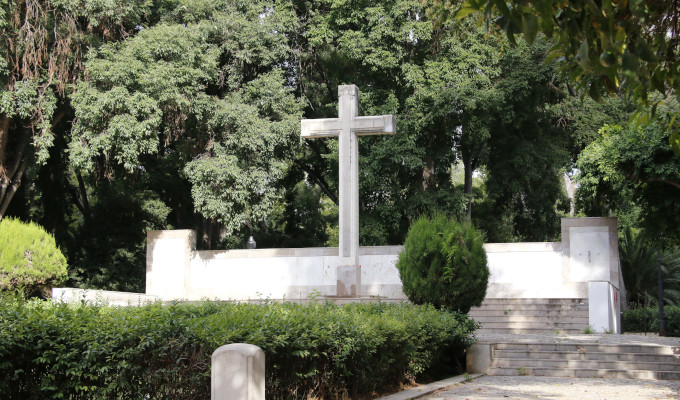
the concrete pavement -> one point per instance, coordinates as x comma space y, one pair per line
539, 387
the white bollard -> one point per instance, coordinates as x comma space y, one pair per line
237, 372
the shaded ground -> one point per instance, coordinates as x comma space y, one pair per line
539, 387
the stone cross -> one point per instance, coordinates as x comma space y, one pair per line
348, 126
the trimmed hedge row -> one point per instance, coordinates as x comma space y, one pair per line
54, 350
647, 320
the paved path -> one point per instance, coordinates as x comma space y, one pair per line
541, 387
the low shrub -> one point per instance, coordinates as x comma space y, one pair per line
444, 264
54, 350
30, 261
647, 320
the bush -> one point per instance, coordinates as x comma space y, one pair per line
444, 264
49, 349
30, 261
647, 320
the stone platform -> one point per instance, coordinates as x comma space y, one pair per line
576, 355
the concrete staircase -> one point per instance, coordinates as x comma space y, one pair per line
634, 361
532, 316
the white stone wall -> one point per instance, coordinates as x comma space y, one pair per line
175, 270
584, 265
268, 273
529, 270
109, 297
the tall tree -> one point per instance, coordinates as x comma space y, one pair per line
527, 154
42, 45
205, 94
454, 92
633, 166
613, 46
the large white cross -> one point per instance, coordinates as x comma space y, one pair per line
348, 126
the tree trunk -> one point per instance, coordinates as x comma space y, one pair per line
10, 175
467, 187
13, 185
4, 135
319, 181
428, 172
206, 235
83, 198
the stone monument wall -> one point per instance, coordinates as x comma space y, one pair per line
175, 270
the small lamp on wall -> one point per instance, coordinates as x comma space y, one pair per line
251, 244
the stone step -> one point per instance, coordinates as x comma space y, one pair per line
530, 307
542, 313
534, 325
589, 348
586, 355
536, 331
585, 373
566, 319
530, 301
586, 364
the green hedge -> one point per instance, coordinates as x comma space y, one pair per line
53, 350
647, 320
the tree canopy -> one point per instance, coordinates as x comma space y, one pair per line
627, 47
117, 119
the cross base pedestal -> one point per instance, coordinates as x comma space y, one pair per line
349, 281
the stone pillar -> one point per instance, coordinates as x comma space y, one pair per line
168, 255
478, 358
590, 250
237, 372
604, 313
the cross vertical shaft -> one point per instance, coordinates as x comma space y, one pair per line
348, 177
348, 127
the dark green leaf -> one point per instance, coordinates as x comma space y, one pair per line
530, 27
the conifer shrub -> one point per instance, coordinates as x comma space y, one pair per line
30, 261
444, 264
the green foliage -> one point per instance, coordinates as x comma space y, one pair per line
30, 261
185, 114
527, 153
612, 46
296, 220
110, 259
209, 95
581, 118
55, 350
639, 266
633, 167
647, 320
42, 49
444, 264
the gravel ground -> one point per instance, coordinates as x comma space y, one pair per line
533, 387
564, 338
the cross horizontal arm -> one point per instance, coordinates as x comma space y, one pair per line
374, 125
322, 127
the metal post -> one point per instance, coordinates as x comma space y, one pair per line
662, 316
